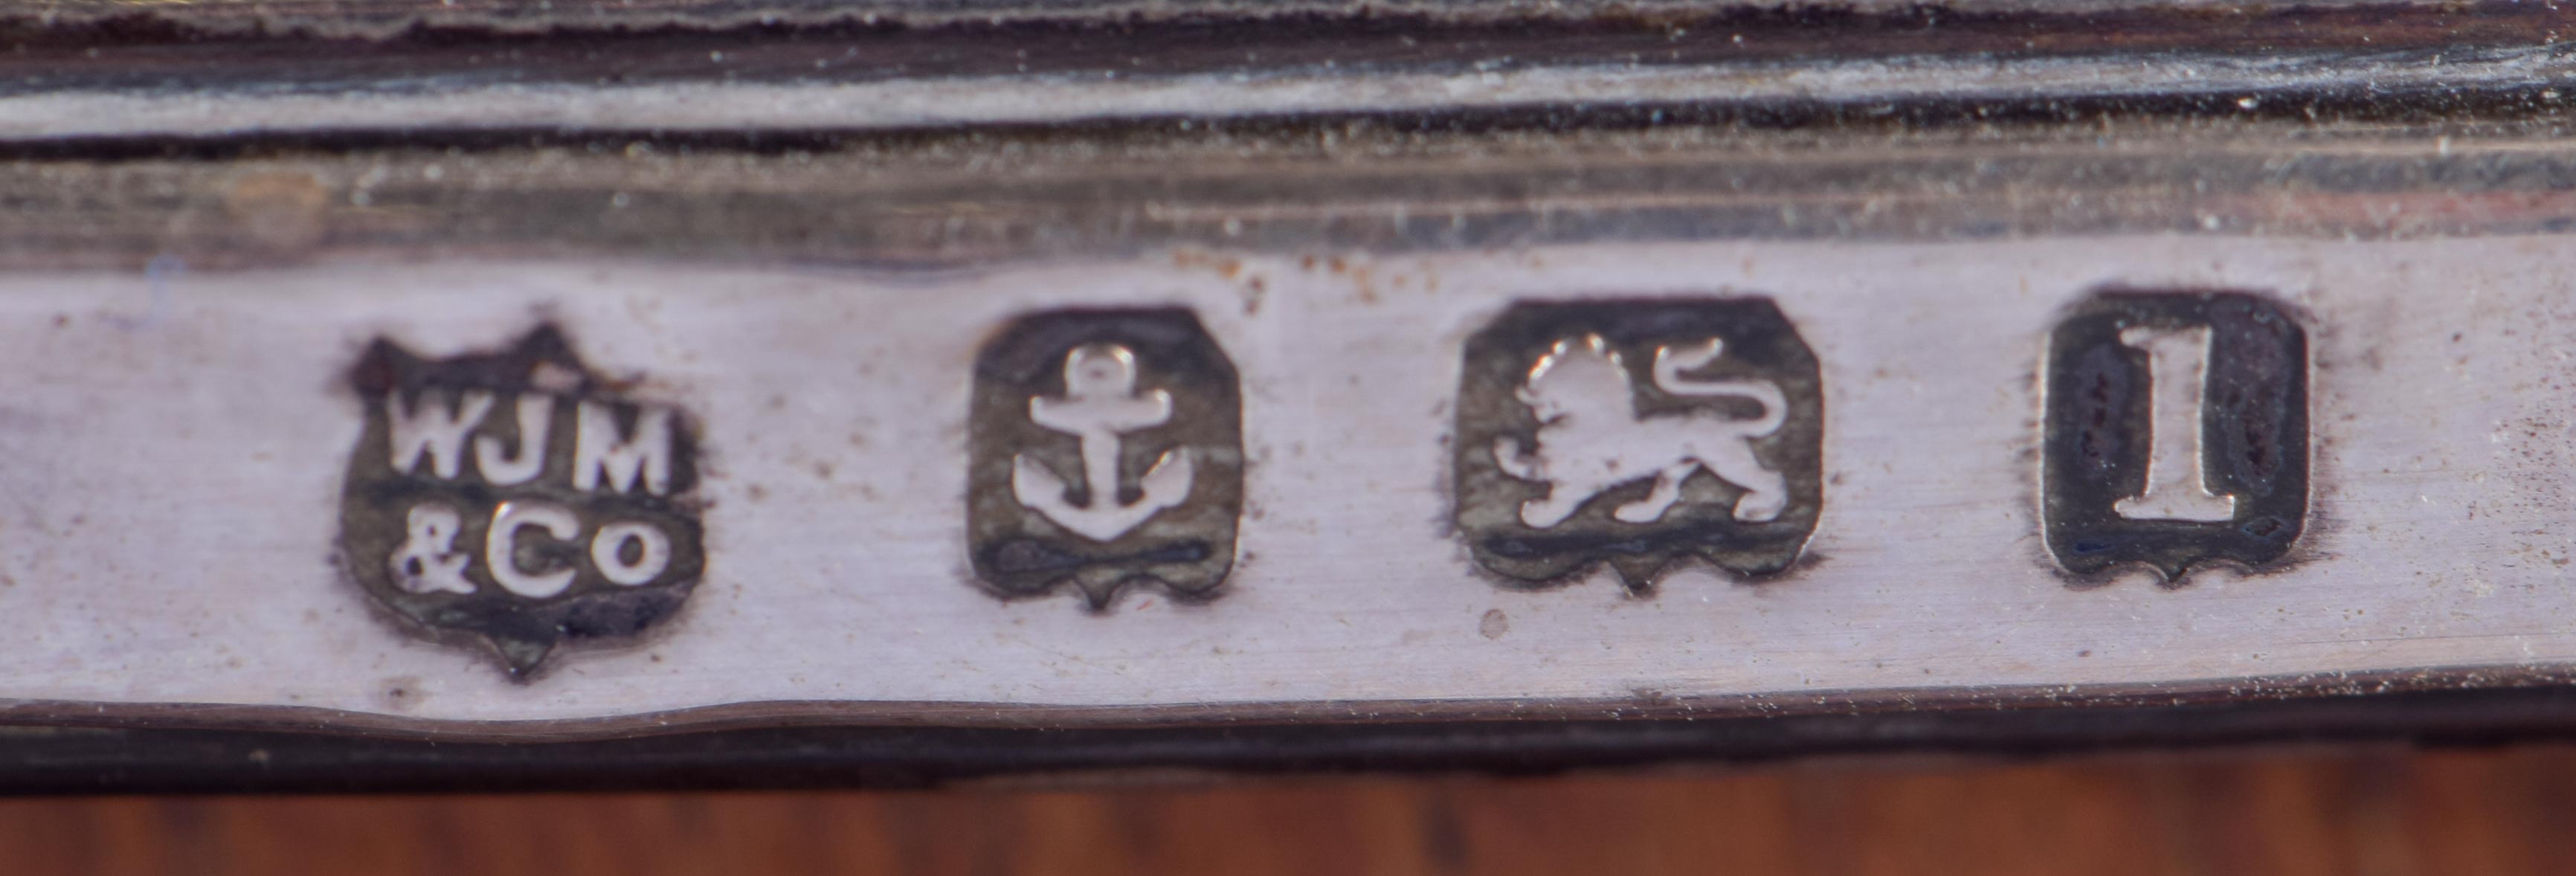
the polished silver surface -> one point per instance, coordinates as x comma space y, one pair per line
175, 447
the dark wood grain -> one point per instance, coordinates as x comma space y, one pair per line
2449, 813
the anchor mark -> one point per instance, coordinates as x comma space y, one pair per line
1101, 402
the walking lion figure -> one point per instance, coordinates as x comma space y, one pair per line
1591, 438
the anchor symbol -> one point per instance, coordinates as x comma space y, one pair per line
1100, 402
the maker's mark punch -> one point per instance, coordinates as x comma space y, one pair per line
516, 497
1106, 449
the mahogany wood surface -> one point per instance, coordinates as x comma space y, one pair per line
2454, 813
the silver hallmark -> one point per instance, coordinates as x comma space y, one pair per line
515, 497
1107, 449
2177, 432
1638, 433
1101, 403
1386, 499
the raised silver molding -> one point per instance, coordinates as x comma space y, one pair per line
715, 104
376, 18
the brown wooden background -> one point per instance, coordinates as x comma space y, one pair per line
2449, 813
